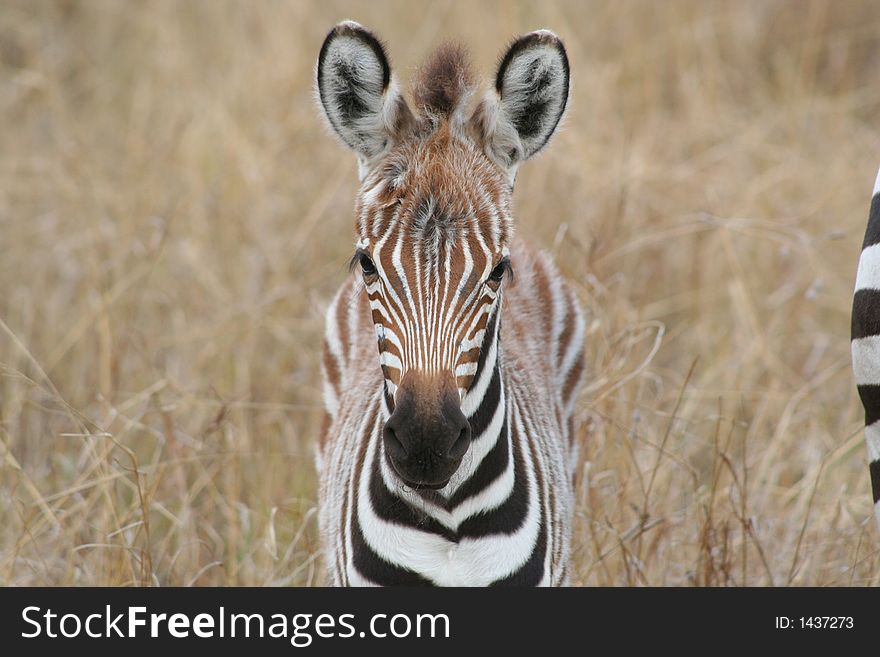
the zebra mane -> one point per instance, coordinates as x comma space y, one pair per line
444, 82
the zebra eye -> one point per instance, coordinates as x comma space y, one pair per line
367, 265
499, 271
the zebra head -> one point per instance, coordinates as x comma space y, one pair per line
433, 221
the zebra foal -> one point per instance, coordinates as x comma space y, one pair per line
446, 458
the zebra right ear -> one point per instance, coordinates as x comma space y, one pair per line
358, 95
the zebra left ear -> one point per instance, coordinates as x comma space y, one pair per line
531, 91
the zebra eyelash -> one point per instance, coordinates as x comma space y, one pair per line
501, 269
363, 259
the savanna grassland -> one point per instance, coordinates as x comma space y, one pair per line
174, 218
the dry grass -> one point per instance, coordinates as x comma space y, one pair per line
173, 218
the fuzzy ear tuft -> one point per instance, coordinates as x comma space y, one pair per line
358, 95
444, 82
531, 92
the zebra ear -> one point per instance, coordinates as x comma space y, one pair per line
531, 91
358, 95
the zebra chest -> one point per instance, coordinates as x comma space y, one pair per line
498, 533
400, 555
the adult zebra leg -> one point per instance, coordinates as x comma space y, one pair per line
866, 340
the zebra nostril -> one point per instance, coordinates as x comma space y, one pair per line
461, 444
393, 446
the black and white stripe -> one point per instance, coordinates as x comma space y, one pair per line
866, 339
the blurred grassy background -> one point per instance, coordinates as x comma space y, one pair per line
173, 218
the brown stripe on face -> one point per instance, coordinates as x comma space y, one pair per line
480, 265
390, 372
385, 258
469, 356
481, 303
465, 381
385, 344
408, 262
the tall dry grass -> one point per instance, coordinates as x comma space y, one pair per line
173, 218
